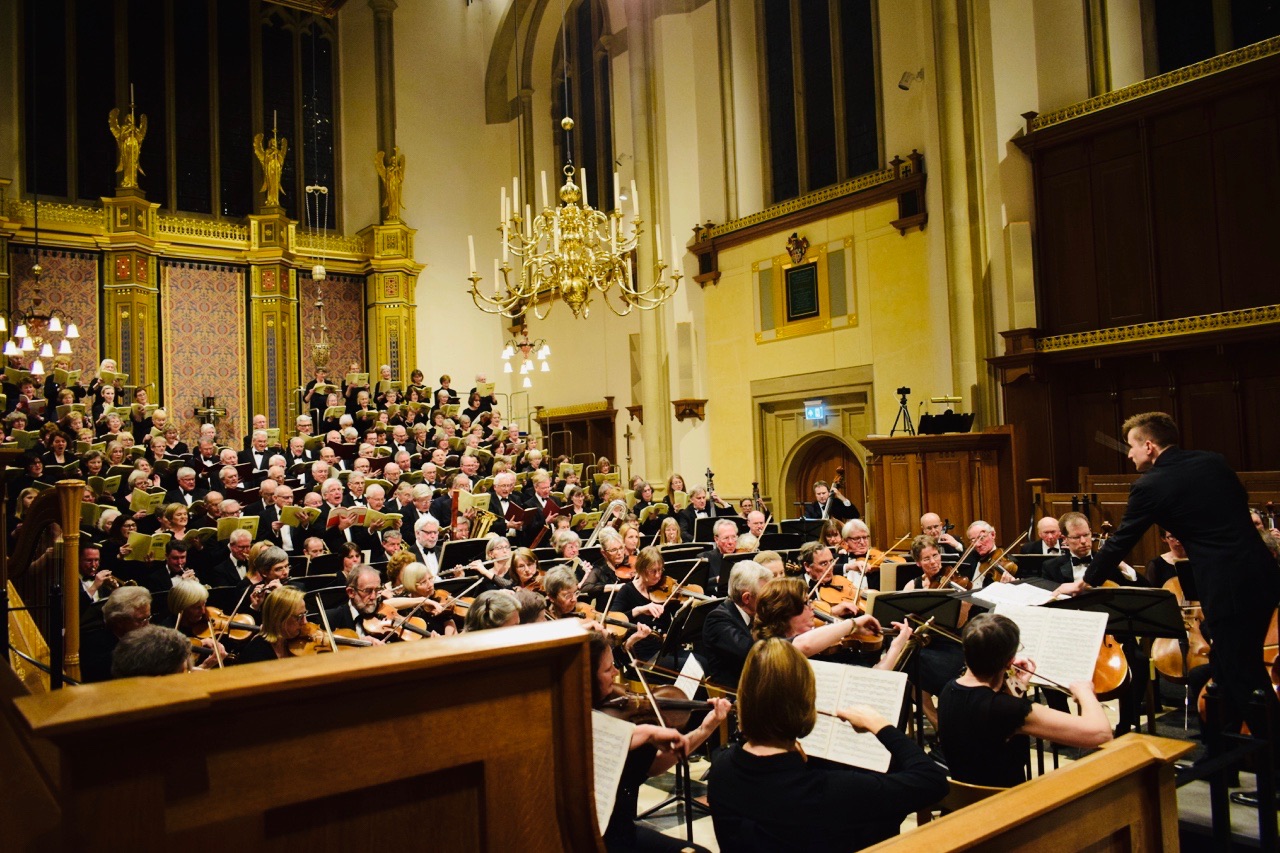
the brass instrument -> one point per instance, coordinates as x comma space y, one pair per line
481, 523
111, 583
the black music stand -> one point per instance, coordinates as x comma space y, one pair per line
459, 552
326, 565
704, 528
1031, 565
806, 528
1132, 611
780, 541
939, 605
686, 628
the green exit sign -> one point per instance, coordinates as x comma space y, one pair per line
815, 410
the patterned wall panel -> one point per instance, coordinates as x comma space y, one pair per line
70, 284
202, 311
343, 314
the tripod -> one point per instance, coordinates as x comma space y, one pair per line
904, 418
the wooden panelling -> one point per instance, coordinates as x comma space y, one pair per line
1260, 419
1122, 242
1162, 207
1069, 299
962, 477
1186, 253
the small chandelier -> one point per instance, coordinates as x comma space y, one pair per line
570, 251
528, 351
37, 326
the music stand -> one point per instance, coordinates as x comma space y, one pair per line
459, 552
677, 569
686, 628
1033, 563
780, 541
941, 606
704, 528
326, 565
1132, 611
806, 528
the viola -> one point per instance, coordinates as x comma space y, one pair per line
615, 621
668, 587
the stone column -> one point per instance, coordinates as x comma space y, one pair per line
968, 297
655, 391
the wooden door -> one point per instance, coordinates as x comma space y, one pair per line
820, 462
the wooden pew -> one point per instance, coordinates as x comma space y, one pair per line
1122, 797
480, 742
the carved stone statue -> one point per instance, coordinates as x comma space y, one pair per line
129, 138
392, 174
272, 159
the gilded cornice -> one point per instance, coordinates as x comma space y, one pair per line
231, 234
1142, 88
56, 212
580, 409
813, 199
1222, 321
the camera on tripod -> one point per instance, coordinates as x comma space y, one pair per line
903, 420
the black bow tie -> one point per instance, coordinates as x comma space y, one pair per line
1081, 561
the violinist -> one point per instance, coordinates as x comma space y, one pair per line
187, 612
631, 541
984, 727
268, 570
602, 579
941, 660
784, 610
818, 565
654, 750
419, 589
562, 592
151, 651
363, 588
284, 618
526, 572
635, 599
496, 608
723, 543
764, 793
726, 635
980, 566
859, 558
829, 534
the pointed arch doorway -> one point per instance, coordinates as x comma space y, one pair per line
818, 458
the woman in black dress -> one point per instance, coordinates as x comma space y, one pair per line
764, 794
984, 727
635, 599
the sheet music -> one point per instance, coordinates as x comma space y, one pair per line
1063, 643
1024, 594
839, 686
611, 741
690, 677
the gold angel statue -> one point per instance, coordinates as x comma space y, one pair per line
129, 138
272, 159
392, 174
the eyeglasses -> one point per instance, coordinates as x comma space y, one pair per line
859, 538
369, 591
301, 617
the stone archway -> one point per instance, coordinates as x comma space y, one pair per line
817, 456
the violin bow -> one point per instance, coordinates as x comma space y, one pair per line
324, 617
946, 579
685, 579
653, 703
995, 561
813, 593
226, 628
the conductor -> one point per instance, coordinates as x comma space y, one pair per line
1197, 498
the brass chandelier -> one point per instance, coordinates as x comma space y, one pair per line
36, 324
571, 252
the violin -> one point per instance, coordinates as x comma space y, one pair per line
669, 588
389, 623
314, 640
615, 621
241, 626
636, 708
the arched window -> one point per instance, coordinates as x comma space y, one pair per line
581, 89
821, 111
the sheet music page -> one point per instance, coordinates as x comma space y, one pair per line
690, 677
842, 685
1025, 594
1063, 643
611, 741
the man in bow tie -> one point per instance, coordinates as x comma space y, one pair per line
1071, 566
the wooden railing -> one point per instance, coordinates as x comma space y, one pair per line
1122, 797
479, 742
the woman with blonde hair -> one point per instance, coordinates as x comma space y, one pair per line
284, 617
763, 793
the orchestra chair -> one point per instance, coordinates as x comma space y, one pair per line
961, 794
